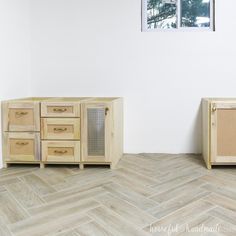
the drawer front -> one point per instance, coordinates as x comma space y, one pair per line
60, 151
21, 117
52, 109
22, 147
60, 128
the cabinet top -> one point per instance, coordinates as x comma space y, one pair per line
212, 99
64, 99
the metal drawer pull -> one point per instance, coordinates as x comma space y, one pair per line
59, 109
22, 143
213, 109
60, 129
60, 152
21, 113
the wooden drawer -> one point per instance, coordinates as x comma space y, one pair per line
60, 128
21, 146
60, 109
60, 151
21, 116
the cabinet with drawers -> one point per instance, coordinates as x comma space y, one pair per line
219, 131
62, 130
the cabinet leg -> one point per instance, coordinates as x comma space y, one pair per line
42, 165
81, 166
112, 166
5, 165
209, 167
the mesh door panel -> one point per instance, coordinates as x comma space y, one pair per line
96, 131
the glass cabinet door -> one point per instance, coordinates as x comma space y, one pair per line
95, 129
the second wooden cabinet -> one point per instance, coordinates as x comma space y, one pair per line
219, 131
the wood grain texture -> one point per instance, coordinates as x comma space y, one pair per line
24, 195
60, 109
67, 201
61, 151
92, 229
60, 128
21, 146
21, 116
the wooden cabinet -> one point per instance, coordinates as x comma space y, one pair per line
219, 131
63, 130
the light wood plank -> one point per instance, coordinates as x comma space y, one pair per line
72, 201
126, 210
92, 229
49, 221
24, 195
113, 223
38, 185
186, 213
10, 211
130, 196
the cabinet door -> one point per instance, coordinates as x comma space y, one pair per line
96, 133
21, 116
223, 133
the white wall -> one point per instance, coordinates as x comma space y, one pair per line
96, 48
14, 49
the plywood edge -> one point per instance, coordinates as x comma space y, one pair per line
62, 99
117, 131
206, 150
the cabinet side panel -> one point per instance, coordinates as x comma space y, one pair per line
206, 132
4, 116
117, 131
3, 128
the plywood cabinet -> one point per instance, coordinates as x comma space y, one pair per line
63, 130
219, 131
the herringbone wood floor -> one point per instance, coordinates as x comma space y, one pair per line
156, 190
